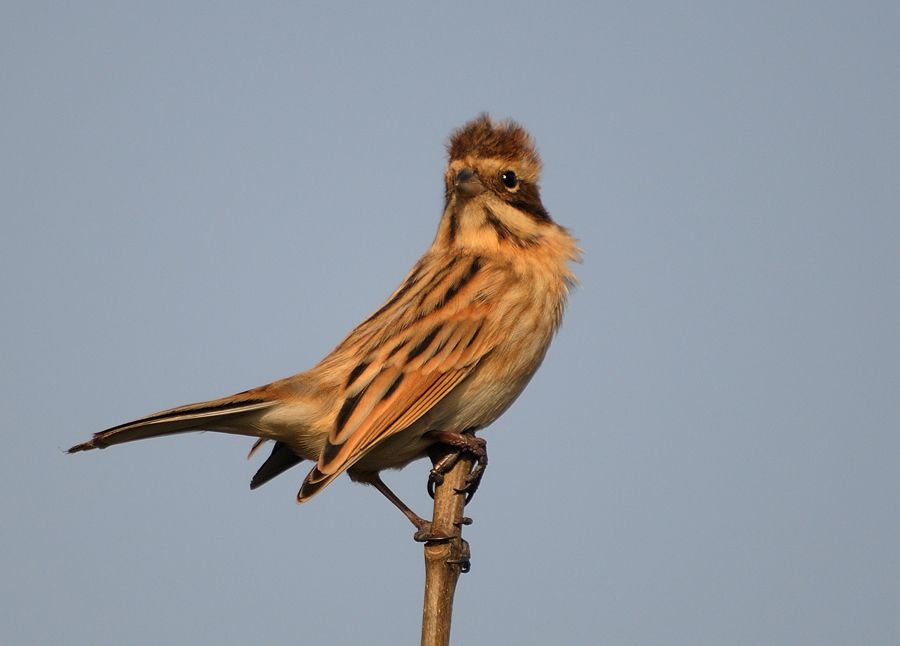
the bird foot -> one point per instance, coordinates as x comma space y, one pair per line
425, 534
464, 559
450, 447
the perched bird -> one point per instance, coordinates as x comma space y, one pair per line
446, 354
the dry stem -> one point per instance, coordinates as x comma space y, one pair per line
443, 558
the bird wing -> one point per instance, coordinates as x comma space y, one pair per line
406, 372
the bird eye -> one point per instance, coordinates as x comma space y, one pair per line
509, 179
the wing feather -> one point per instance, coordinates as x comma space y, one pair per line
421, 363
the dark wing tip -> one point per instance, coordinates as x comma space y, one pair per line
315, 481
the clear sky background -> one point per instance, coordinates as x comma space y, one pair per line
198, 198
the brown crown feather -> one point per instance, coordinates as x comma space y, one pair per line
485, 139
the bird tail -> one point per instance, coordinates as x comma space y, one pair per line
280, 460
228, 415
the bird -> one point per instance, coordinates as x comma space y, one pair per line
445, 355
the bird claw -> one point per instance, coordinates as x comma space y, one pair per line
426, 535
455, 445
464, 557
435, 479
464, 560
473, 480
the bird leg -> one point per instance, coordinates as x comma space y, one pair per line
423, 527
445, 453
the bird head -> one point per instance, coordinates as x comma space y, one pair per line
491, 186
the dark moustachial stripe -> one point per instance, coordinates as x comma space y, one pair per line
504, 232
473, 269
453, 227
500, 229
356, 372
423, 344
347, 409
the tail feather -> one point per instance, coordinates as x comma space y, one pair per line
281, 459
227, 415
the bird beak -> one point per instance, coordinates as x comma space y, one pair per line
467, 183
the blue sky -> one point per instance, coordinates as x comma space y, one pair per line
198, 198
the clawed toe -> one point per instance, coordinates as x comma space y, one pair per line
426, 535
473, 481
445, 455
464, 560
435, 479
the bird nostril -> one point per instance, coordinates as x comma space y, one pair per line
468, 184
464, 175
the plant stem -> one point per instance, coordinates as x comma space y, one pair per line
443, 559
